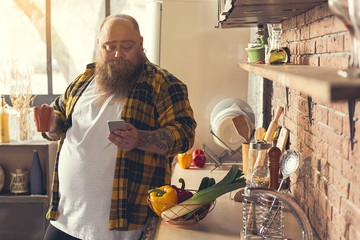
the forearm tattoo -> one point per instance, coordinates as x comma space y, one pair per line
161, 139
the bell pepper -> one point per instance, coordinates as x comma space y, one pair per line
184, 160
182, 194
198, 158
163, 198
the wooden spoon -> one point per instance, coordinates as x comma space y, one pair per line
242, 127
259, 133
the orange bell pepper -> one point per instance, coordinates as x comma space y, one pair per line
184, 160
163, 198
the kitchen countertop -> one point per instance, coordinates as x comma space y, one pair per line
223, 222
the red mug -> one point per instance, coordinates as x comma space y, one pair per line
43, 118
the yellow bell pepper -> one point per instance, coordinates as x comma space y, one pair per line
184, 160
163, 198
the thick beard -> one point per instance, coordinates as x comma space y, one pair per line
117, 81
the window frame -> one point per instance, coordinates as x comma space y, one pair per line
50, 97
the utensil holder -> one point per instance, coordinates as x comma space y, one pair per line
260, 209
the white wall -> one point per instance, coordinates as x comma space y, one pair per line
203, 57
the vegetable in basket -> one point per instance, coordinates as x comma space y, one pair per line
232, 181
202, 211
163, 198
182, 194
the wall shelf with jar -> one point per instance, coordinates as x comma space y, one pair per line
22, 214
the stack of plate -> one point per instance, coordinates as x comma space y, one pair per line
222, 125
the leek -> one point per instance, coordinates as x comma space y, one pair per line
232, 181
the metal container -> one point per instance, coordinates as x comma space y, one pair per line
19, 181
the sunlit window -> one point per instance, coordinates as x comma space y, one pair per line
49, 59
23, 44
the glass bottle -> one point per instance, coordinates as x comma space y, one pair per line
4, 122
277, 55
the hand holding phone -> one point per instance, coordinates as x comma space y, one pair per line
116, 124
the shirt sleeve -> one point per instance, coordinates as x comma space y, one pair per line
176, 115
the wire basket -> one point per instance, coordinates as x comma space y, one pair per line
262, 217
192, 217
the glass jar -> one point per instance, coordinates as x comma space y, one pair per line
257, 169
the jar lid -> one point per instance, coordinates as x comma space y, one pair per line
260, 145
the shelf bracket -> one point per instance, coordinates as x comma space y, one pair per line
287, 98
351, 106
309, 99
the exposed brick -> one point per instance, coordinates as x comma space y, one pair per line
341, 183
289, 23
311, 61
290, 36
335, 43
311, 15
300, 20
340, 223
347, 42
310, 47
321, 114
354, 232
321, 45
333, 231
326, 27
335, 159
336, 121
351, 170
340, 106
333, 196
350, 212
354, 194
334, 61
304, 32
292, 48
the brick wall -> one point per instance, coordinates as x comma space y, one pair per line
328, 180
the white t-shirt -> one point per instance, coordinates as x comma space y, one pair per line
86, 171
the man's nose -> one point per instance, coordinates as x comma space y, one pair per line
118, 53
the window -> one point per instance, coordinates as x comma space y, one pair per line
48, 43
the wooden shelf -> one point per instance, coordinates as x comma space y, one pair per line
22, 198
318, 82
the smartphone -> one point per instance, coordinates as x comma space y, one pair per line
116, 124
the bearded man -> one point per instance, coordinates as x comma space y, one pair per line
101, 179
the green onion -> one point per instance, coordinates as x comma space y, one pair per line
232, 181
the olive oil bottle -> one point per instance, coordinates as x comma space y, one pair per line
277, 55
4, 122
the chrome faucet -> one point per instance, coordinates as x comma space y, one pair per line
305, 226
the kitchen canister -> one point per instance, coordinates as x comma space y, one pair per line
257, 169
36, 175
19, 182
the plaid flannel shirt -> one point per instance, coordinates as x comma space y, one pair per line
159, 100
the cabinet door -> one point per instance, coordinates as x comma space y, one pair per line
19, 221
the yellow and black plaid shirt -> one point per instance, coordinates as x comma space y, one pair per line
159, 100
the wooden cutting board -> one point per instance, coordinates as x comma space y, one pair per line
282, 140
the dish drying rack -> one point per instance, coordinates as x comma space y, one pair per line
224, 156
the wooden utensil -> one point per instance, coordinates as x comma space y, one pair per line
242, 127
259, 133
273, 125
282, 140
270, 133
